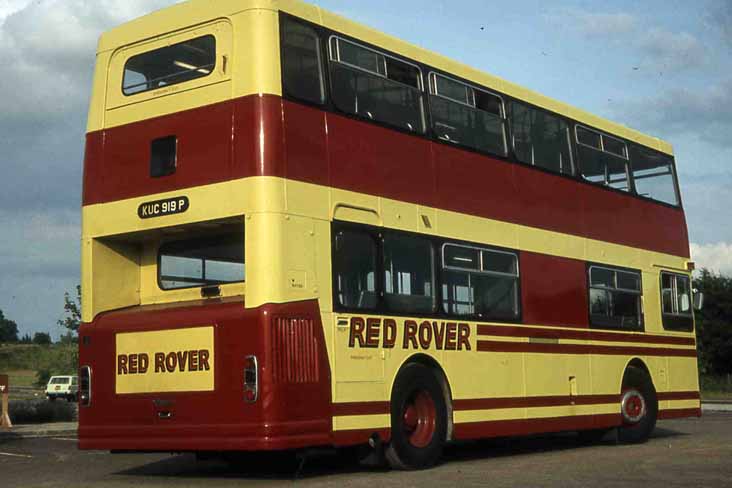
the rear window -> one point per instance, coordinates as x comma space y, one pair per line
170, 65
60, 380
199, 262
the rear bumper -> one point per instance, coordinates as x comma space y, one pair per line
219, 437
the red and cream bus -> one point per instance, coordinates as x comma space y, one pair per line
298, 232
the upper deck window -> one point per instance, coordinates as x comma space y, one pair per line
170, 65
603, 158
302, 67
468, 116
653, 174
376, 86
205, 261
541, 139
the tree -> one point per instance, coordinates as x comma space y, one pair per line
72, 312
26, 339
42, 338
8, 329
714, 324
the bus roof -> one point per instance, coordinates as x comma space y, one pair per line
194, 12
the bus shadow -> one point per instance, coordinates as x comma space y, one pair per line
281, 467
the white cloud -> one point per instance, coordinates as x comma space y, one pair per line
659, 49
683, 110
714, 257
594, 24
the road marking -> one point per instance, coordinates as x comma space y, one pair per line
15, 455
64, 439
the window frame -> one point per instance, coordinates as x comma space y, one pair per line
676, 322
437, 244
517, 316
574, 174
213, 67
432, 91
605, 325
322, 58
674, 176
210, 238
602, 135
337, 59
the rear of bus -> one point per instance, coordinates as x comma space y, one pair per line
197, 335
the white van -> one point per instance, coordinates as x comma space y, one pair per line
63, 387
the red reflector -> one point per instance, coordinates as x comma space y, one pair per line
251, 379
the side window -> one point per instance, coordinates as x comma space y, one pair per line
615, 298
376, 86
603, 159
653, 174
170, 65
468, 116
354, 270
480, 282
302, 67
409, 283
541, 139
676, 302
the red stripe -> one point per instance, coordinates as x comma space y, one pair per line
679, 395
363, 157
512, 331
507, 428
529, 402
360, 408
498, 346
678, 413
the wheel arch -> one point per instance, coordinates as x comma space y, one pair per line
638, 363
439, 372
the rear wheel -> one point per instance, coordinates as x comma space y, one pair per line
638, 407
418, 419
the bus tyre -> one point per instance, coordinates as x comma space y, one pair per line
418, 419
639, 407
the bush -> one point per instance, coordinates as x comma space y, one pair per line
42, 377
41, 411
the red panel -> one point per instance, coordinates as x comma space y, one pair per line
203, 155
286, 415
371, 159
540, 348
474, 184
272, 137
679, 413
258, 137
587, 335
306, 144
555, 291
505, 428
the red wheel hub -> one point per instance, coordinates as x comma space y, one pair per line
419, 419
633, 406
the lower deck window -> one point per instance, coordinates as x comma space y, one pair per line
676, 302
195, 262
615, 298
354, 269
480, 282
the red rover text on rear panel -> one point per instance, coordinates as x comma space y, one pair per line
375, 332
181, 361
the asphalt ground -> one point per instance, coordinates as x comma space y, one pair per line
682, 453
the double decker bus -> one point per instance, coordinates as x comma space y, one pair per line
298, 232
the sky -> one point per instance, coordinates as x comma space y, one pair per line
659, 66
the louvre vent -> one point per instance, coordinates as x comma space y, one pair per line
294, 351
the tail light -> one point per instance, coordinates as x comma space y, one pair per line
85, 386
251, 377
